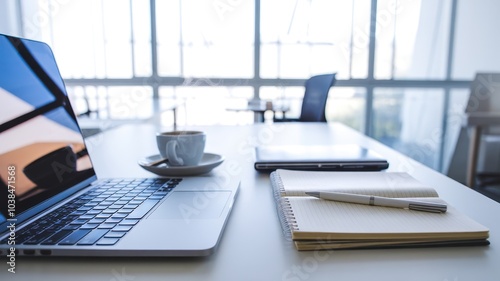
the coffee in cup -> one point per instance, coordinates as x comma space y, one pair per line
181, 148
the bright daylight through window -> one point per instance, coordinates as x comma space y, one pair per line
403, 66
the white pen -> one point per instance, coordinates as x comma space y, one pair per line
380, 201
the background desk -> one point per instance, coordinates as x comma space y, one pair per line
253, 247
260, 108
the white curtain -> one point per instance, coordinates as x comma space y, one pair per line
9, 20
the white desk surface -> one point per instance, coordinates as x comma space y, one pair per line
253, 247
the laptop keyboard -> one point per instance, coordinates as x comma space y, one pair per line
101, 216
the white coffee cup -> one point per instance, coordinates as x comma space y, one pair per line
181, 148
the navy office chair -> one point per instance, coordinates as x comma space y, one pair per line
315, 96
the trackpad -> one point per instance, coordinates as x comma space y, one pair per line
192, 205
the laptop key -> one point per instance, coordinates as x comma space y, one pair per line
129, 222
96, 221
107, 225
113, 234
103, 216
107, 241
87, 217
122, 228
143, 209
39, 238
118, 216
130, 206
74, 237
113, 220
71, 227
92, 237
89, 226
23, 236
54, 239
79, 221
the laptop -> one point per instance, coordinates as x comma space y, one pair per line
348, 157
52, 202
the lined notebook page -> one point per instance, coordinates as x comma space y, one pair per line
323, 219
387, 184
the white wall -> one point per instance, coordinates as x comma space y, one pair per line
477, 44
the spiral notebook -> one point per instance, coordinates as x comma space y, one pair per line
314, 223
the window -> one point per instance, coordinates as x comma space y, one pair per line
303, 38
399, 122
412, 39
198, 39
389, 55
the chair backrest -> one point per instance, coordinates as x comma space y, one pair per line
315, 96
484, 97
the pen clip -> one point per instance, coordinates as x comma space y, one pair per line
428, 207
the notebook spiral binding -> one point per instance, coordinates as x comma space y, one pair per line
283, 208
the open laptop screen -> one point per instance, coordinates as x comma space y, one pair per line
42, 152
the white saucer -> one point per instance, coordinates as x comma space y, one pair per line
207, 163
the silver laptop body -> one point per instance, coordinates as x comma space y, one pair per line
45, 167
